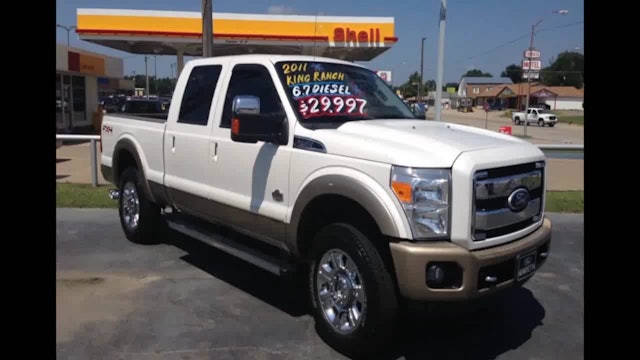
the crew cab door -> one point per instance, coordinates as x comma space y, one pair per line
187, 140
533, 115
252, 181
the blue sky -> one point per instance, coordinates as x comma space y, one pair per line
484, 34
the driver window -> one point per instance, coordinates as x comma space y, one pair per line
255, 80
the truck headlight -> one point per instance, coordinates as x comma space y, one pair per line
425, 198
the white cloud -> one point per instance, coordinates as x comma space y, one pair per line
280, 9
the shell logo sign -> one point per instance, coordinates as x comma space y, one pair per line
86, 64
384, 75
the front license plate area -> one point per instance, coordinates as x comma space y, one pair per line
525, 265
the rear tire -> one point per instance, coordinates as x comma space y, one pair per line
141, 219
541, 123
517, 120
349, 281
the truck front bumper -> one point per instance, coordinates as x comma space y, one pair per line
466, 274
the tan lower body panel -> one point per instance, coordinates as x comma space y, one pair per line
411, 260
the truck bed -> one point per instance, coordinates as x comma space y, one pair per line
145, 133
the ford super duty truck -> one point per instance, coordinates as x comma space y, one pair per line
325, 168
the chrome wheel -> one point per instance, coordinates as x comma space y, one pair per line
130, 206
340, 291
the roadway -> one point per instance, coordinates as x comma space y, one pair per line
186, 300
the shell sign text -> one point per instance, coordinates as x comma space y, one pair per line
357, 36
86, 64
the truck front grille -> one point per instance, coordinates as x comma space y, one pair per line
494, 213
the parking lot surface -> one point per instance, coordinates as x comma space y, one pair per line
186, 300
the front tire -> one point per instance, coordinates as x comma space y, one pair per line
541, 123
353, 297
140, 218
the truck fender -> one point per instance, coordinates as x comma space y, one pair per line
126, 144
363, 190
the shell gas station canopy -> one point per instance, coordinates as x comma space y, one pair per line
180, 33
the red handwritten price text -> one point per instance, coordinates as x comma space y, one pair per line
331, 106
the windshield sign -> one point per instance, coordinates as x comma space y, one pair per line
328, 92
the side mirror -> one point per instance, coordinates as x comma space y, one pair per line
249, 126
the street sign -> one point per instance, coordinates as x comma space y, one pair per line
531, 65
534, 54
531, 75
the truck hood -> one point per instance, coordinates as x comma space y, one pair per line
417, 143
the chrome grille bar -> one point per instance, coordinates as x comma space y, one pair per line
491, 190
488, 220
502, 187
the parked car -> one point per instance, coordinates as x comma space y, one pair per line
332, 176
111, 104
145, 107
538, 116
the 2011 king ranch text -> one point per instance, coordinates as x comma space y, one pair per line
318, 76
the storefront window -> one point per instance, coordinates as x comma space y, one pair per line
79, 98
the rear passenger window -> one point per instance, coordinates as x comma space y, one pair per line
255, 80
198, 94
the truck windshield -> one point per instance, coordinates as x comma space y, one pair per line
322, 92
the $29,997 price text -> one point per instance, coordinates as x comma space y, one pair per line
331, 105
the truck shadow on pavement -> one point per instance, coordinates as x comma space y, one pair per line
480, 330
483, 329
250, 279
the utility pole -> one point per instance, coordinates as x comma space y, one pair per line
63, 106
421, 69
155, 73
443, 17
207, 28
146, 74
526, 104
530, 72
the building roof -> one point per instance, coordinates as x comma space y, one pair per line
521, 90
482, 89
486, 80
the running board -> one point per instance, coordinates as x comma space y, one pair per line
195, 229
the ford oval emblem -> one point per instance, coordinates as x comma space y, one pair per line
518, 200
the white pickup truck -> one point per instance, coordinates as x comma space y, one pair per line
538, 116
331, 174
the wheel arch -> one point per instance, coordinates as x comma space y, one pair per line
364, 200
126, 154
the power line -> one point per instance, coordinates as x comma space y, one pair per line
517, 39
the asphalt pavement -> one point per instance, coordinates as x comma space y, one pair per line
186, 300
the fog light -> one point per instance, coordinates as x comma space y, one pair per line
443, 275
435, 275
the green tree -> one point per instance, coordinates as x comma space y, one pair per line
410, 87
160, 86
430, 85
565, 70
476, 73
513, 72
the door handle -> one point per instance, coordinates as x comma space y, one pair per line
173, 144
214, 154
